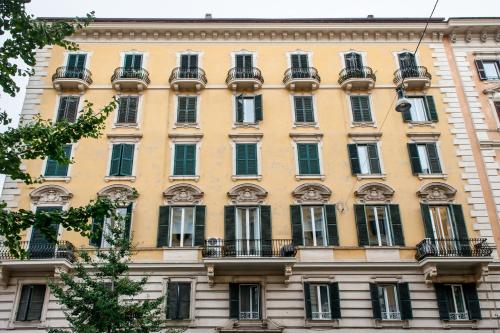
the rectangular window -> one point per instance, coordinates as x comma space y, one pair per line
320, 301
248, 109
246, 159
353, 61
304, 112
127, 110
124, 217
424, 158
368, 158
182, 226
388, 299
189, 61
31, 302
249, 301
186, 109
299, 60
313, 226
185, 160
248, 231
456, 303
418, 109
122, 159
379, 226
133, 61
308, 158
56, 169
442, 223
68, 108
491, 69
178, 300
361, 112
244, 61
76, 62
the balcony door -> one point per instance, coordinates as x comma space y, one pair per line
408, 64
75, 65
249, 301
189, 66
300, 66
41, 246
244, 65
444, 229
353, 61
248, 231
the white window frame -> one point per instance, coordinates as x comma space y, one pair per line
138, 119
182, 279
259, 291
431, 137
296, 124
388, 314
458, 315
313, 225
194, 139
108, 221
118, 139
308, 138
66, 178
183, 222
235, 112
247, 225
58, 103
497, 65
13, 323
246, 139
353, 123
175, 115
388, 224
322, 315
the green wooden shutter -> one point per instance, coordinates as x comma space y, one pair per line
179, 153
397, 227
373, 158
334, 300
137, 61
199, 225
133, 102
302, 152
472, 300
96, 235
24, 300
72, 108
299, 109
116, 154
234, 301
304, 60
172, 301
190, 160
184, 298
406, 116
182, 109
129, 60
307, 300
80, 61
405, 301
50, 168
352, 149
128, 222
71, 61
331, 225
163, 226
239, 61
416, 167
432, 155
127, 160
296, 221
480, 70
377, 313
61, 110
31, 302
185, 160
252, 163
55, 169
258, 108
191, 110
458, 217
308, 109
313, 158
366, 111
359, 211
239, 109
229, 224
442, 300
122, 109
426, 218
266, 230
295, 60
357, 115
430, 105
241, 159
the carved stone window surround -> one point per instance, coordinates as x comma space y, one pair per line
311, 193
182, 194
437, 192
119, 192
374, 193
423, 136
50, 195
247, 194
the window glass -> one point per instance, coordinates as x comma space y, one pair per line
418, 109
442, 222
491, 69
182, 226
313, 226
247, 231
364, 162
249, 301
121, 213
378, 224
424, 159
248, 110
388, 298
320, 301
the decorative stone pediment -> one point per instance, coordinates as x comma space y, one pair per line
51, 194
311, 193
436, 192
247, 194
119, 192
183, 194
374, 192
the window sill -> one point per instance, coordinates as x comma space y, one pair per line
246, 125
27, 324
186, 125
134, 126
310, 177
334, 323
363, 124
460, 323
392, 323
382, 176
314, 124
195, 178
122, 178
249, 177
56, 179
179, 322
432, 176
412, 124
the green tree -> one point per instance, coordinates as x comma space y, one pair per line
99, 296
39, 138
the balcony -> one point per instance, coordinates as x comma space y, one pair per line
130, 79
193, 79
454, 260
275, 256
357, 78
244, 78
413, 78
306, 79
70, 78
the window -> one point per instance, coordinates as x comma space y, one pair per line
186, 109
133, 61
488, 69
246, 159
185, 160
248, 233
407, 61
308, 159
56, 169
423, 109
101, 228
178, 300
75, 65
322, 301
189, 66
364, 158
353, 61
127, 110
244, 301
244, 66
379, 225
391, 301
313, 226
41, 246
249, 109
182, 226
424, 158
122, 159
361, 112
300, 66
458, 301
68, 108
304, 112
31, 302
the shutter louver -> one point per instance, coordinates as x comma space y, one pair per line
433, 157
97, 229
308, 109
132, 110
128, 223
442, 299
416, 167
230, 228
116, 154
163, 226
61, 111
258, 108
191, 110
431, 108
190, 160
472, 299
172, 301
199, 227
397, 227
299, 109
266, 231
129, 60
239, 109
302, 152
334, 300
307, 300
181, 109
127, 160
359, 211
459, 220
480, 70
22, 308
234, 301
80, 61
365, 108
354, 158
313, 159
179, 160
357, 115
405, 301
296, 221
36, 302
72, 108
426, 217
373, 158
71, 64
184, 301
122, 110
377, 313
331, 225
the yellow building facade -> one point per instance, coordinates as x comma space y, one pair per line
278, 188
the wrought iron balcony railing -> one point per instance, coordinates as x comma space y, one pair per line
301, 73
364, 72
194, 73
64, 73
217, 248
252, 73
43, 250
413, 72
131, 73
471, 247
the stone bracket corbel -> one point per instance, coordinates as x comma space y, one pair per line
430, 272
4, 276
211, 275
288, 273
